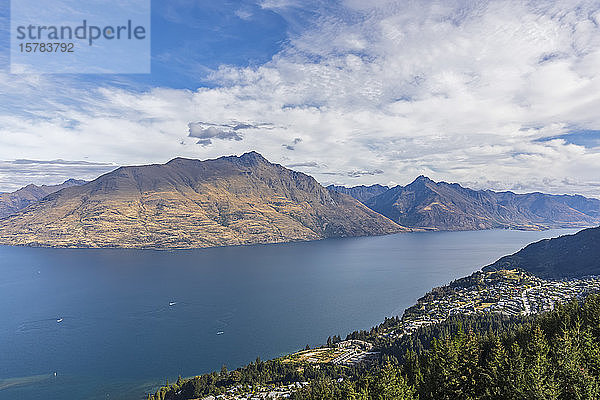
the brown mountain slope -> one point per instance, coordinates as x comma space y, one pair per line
444, 206
190, 203
10, 203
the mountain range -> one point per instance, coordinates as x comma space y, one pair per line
189, 203
233, 200
425, 204
10, 203
361, 193
569, 256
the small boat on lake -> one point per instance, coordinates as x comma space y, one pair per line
172, 303
59, 320
220, 333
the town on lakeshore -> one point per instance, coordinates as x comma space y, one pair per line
509, 292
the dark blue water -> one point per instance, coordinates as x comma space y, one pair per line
120, 337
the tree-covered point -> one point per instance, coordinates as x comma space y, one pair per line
555, 355
569, 256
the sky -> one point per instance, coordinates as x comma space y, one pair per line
501, 95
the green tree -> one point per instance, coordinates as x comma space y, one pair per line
391, 385
539, 374
494, 381
469, 382
576, 381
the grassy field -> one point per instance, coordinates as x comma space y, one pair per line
315, 356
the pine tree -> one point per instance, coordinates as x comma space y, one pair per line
469, 379
493, 376
347, 390
576, 382
540, 383
390, 385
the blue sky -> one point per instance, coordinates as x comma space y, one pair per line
491, 94
585, 138
192, 38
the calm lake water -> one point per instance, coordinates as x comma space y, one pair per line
131, 318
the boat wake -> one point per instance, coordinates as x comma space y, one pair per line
39, 325
23, 381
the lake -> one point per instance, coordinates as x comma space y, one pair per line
132, 318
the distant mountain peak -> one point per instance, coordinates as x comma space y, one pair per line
248, 158
422, 179
253, 158
450, 206
252, 154
361, 193
10, 203
74, 182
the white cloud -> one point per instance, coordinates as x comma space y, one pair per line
459, 91
244, 14
207, 132
15, 174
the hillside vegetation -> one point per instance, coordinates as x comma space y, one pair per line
569, 256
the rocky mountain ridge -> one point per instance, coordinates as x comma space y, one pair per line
425, 204
12, 202
189, 203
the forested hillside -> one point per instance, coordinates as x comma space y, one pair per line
569, 256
